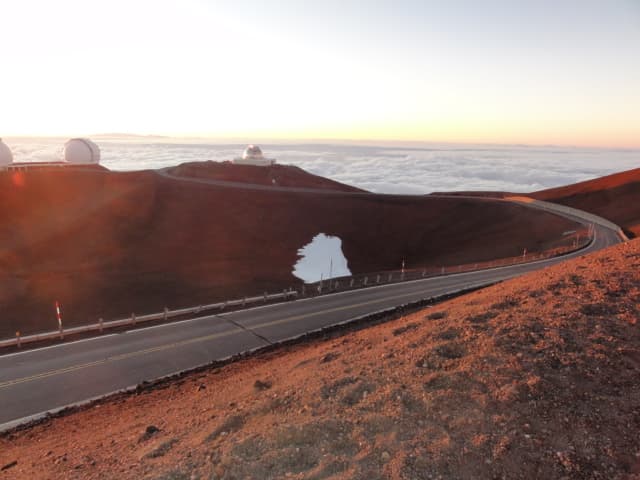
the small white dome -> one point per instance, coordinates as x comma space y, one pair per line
81, 151
6, 157
252, 152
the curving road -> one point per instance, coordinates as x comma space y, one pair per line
35, 382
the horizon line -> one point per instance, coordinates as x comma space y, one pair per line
321, 140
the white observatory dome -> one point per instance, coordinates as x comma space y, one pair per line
252, 152
253, 156
6, 157
81, 151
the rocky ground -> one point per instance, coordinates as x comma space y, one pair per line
533, 378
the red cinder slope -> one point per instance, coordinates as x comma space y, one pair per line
273, 175
615, 197
107, 244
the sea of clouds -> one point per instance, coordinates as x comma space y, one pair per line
383, 169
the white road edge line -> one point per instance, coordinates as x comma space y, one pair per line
58, 345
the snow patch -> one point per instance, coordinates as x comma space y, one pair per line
322, 258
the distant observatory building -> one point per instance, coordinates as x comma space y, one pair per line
77, 151
81, 151
6, 157
253, 156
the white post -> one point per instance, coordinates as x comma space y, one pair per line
166, 313
365, 280
402, 271
133, 319
330, 271
351, 282
59, 317
524, 254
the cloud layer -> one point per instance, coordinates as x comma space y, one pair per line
389, 169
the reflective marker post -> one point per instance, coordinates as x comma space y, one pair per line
59, 317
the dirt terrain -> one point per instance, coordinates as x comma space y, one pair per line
615, 197
106, 244
276, 175
533, 378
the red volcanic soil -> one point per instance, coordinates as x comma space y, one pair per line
277, 175
535, 378
106, 244
615, 197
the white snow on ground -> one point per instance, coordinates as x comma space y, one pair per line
322, 258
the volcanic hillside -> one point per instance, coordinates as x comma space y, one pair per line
106, 244
272, 175
615, 197
535, 378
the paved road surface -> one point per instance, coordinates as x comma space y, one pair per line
36, 381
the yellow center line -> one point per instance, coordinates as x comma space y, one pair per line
190, 341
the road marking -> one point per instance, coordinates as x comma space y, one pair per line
190, 341
7, 355
116, 358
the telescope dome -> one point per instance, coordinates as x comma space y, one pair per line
252, 152
81, 151
6, 157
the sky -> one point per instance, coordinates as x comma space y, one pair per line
562, 72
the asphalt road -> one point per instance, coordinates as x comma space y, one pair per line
36, 381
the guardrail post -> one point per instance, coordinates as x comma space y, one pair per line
351, 282
100, 322
303, 290
337, 284
365, 280
19, 339
390, 277
133, 319
244, 301
265, 297
424, 272
166, 313
378, 279
284, 294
